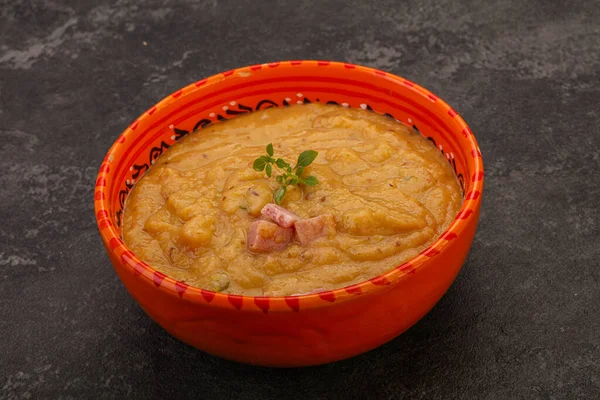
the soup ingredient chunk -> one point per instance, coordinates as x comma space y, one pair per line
280, 215
310, 229
265, 236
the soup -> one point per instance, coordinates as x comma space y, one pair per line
205, 213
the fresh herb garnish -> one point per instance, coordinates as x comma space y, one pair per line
289, 176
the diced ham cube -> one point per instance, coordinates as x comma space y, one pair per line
310, 229
265, 236
280, 215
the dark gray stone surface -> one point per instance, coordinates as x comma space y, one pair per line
522, 319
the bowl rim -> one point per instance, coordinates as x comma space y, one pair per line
472, 195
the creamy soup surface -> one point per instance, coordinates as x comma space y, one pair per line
385, 191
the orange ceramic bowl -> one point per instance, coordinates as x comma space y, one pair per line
292, 330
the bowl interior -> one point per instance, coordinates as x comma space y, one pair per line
280, 84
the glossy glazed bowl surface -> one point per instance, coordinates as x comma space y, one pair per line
292, 330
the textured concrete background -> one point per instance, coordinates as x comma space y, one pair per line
522, 319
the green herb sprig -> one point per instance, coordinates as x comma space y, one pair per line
289, 176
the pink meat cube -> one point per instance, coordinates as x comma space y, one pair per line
310, 229
265, 236
280, 215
